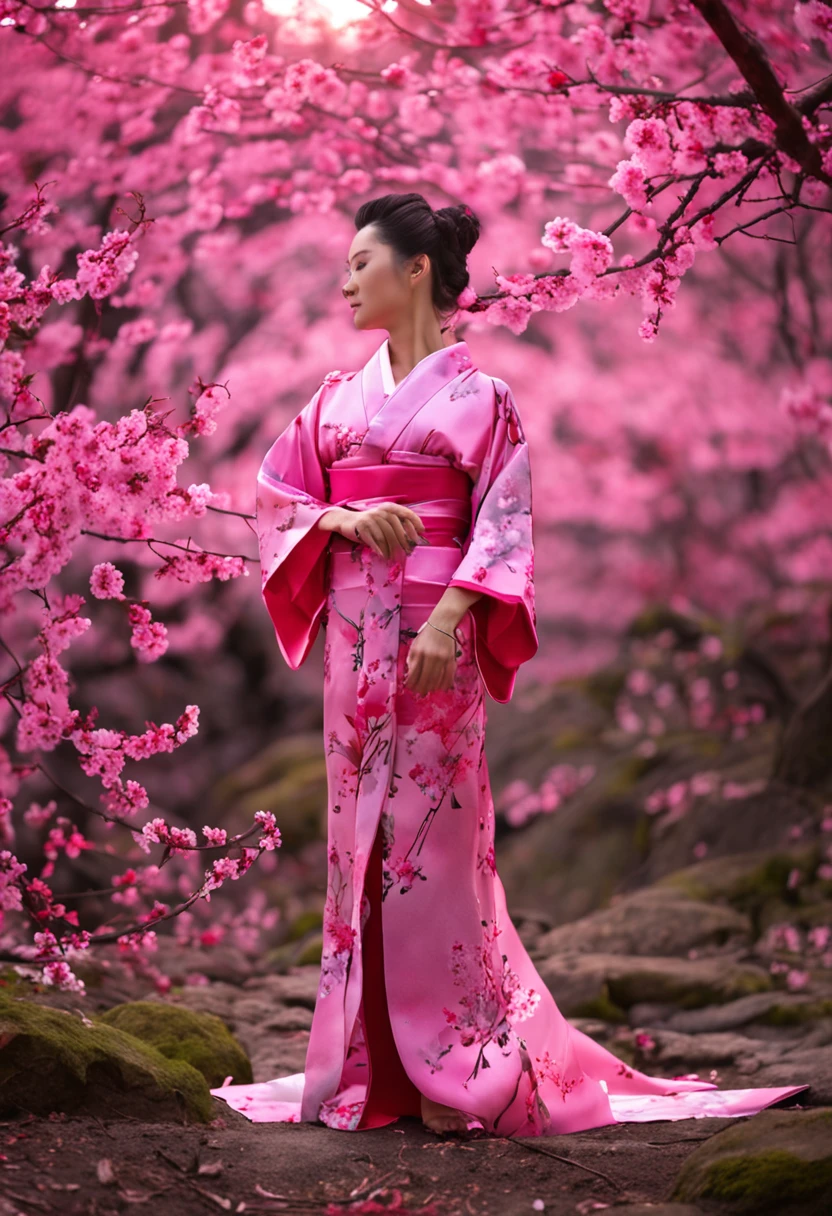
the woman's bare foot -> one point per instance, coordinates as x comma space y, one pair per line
439, 1118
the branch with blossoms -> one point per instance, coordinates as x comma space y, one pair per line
78, 476
35, 897
752, 134
104, 753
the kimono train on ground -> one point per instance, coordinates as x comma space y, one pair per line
425, 986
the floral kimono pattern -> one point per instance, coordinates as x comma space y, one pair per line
425, 986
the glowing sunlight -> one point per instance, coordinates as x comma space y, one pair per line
337, 13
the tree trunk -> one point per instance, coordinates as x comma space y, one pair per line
804, 753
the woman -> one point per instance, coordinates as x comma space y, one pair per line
396, 509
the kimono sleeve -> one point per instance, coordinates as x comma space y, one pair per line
291, 498
499, 555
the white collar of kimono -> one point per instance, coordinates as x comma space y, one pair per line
388, 383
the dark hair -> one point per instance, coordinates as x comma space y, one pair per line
411, 226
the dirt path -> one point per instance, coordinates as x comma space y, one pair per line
79, 1165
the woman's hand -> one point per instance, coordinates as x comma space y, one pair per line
431, 661
389, 529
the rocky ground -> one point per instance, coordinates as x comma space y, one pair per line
87, 1165
672, 977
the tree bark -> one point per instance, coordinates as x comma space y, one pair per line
804, 753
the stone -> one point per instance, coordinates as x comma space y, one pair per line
595, 984
812, 1064
298, 987
654, 921
776, 1162
746, 880
200, 1039
216, 998
222, 962
280, 1057
289, 777
56, 1060
734, 1013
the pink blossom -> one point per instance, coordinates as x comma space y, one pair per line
204, 411
60, 975
649, 142
559, 233
149, 637
6, 826
35, 816
271, 832
203, 14
814, 20
58, 841
629, 181
106, 582
11, 871
102, 270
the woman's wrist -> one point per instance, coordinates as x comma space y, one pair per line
446, 620
333, 520
452, 607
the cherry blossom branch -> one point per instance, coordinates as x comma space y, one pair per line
753, 63
150, 541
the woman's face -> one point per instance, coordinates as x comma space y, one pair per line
383, 291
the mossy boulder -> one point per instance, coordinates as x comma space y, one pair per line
55, 1060
303, 924
583, 984
656, 920
797, 1013
200, 1039
312, 951
744, 878
779, 1161
289, 777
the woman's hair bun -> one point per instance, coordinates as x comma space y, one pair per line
461, 223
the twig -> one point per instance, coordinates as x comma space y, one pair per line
536, 1148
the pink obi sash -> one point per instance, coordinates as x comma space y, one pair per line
439, 494
441, 497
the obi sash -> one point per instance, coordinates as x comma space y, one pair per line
441, 497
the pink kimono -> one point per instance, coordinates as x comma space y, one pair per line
446, 1002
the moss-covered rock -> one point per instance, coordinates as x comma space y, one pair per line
303, 924
604, 686
54, 1060
776, 1162
289, 777
579, 982
312, 951
601, 1007
756, 875
797, 1013
657, 617
199, 1039
571, 737
656, 920
627, 774
299, 953
758, 883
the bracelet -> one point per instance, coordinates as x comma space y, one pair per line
447, 635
